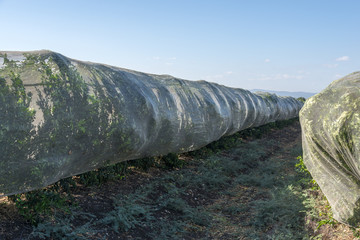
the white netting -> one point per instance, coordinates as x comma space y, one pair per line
81, 116
330, 123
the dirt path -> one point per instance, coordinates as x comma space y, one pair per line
251, 191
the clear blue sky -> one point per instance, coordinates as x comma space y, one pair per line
276, 45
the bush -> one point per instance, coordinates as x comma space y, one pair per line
34, 205
172, 161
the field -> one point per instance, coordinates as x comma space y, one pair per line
251, 185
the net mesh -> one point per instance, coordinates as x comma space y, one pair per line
60, 117
330, 124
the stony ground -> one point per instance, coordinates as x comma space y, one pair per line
250, 191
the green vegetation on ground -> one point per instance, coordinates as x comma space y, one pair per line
242, 186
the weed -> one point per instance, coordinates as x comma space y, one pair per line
283, 209
168, 230
144, 163
102, 175
172, 161
198, 216
35, 205
356, 232
331, 221
61, 227
235, 209
127, 214
300, 166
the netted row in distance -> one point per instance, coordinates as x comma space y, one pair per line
61, 117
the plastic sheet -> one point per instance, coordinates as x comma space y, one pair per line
330, 124
60, 117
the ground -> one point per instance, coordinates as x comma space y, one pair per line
249, 191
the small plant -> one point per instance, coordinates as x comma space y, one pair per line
300, 166
102, 175
35, 205
127, 214
356, 232
306, 178
172, 161
331, 221
61, 227
144, 163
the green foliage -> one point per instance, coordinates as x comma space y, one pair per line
64, 185
284, 207
77, 125
35, 205
80, 126
280, 208
62, 227
172, 161
102, 175
15, 141
139, 210
301, 99
224, 143
258, 132
300, 166
270, 97
144, 163
228, 142
356, 232
306, 178
331, 221
128, 213
7, 62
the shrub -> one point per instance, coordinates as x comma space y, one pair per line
172, 161
39, 203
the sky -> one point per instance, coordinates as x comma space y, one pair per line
258, 44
